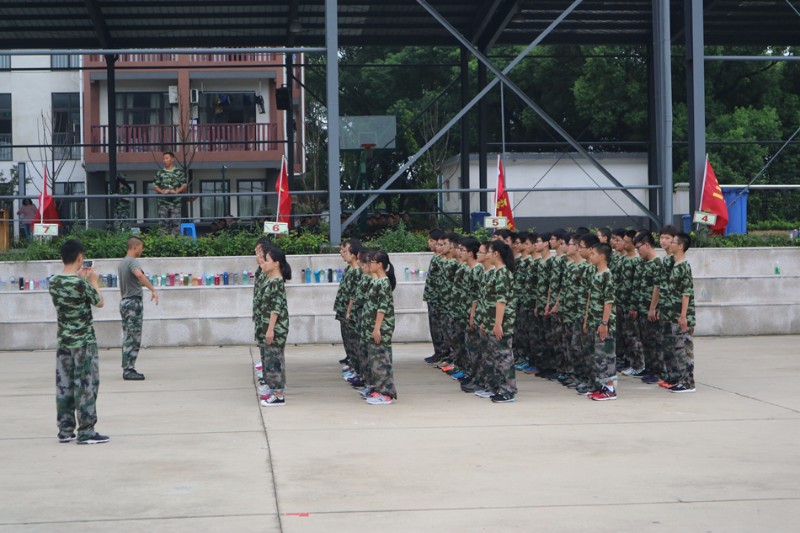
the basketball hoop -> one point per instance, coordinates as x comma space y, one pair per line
367, 147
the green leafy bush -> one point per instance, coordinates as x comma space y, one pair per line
399, 241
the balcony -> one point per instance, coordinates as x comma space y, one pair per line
133, 139
247, 57
5, 147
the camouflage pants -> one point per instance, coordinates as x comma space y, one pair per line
131, 310
500, 368
555, 336
651, 334
381, 379
347, 342
679, 354
77, 381
437, 331
568, 348
122, 215
473, 348
581, 368
547, 354
522, 334
632, 341
536, 342
273, 361
458, 349
601, 356
169, 218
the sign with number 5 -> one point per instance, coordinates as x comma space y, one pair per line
495, 222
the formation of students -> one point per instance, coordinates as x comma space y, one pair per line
577, 308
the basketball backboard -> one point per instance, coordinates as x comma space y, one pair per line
372, 131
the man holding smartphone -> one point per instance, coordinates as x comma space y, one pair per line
74, 291
131, 279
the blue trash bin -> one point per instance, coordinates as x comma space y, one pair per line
736, 199
476, 219
687, 223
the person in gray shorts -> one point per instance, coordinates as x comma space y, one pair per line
131, 279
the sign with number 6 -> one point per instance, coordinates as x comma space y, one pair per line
276, 228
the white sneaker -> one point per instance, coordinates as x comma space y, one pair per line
260, 374
263, 390
258, 366
272, 401
364, 391
379, 399
628, 371
484, 393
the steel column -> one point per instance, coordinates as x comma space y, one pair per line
483, 139
663, 105
332, 96
695, 87
465, 218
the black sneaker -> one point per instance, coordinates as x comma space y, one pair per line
681, 388
469, 386
66, 439
503, 398
343, 361
97, 438
639, 373
432, 359
132, 375
584, 389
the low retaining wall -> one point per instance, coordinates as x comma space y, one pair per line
736, 291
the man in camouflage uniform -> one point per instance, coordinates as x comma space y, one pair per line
627, 307
168, 181
379, 341
272, 339
74, 291
649, 278
122, 205
131, 278
500, 367
430, 295
599, 326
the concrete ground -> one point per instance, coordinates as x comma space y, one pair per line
191, 450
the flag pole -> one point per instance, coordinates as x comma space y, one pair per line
703, 188
280, 189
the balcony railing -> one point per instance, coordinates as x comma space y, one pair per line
206, 138
245, 57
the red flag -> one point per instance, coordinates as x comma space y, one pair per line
501, 201
712, 200
47, 207
284, 196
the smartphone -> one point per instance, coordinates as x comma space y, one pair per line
88, 263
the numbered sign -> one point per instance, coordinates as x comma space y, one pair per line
495, 222
45, 230
276, 228
701, 217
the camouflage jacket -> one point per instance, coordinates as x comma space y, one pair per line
73, 298
574, 290
500, 288
273, 300
345, 292
482, 309
522, 280
680, 284
543, 283
557, 268
258, 293
361, 288
627, 295
461, 297
428, 294
169, 179
666, 264
379, 300
648, 275
601, 292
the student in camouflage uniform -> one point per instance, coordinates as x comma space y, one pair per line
74, 291
379, 314
447, 298
542, 354
598, 325
582, 364
647, 285
430, 295
273, 327
626, 306
131, 309
461, 307
500, 316
526, 330
573, 307
522, 269
679, 317
259, 283
473, 279
349, 253
554, 327
122, 205
665, 239
356, 322
168, 181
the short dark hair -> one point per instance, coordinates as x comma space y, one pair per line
70, 251
133, 240
684, 240
169, 153
669, 230
435, 234
471, 244
619, 232
646, 237
560, 234
589, 240
631, 234
604, 250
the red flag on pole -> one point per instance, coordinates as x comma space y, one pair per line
712, 200
47, 207
501, 201
284, 196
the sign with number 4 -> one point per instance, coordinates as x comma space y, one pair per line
276, 228
495, 222
701, 217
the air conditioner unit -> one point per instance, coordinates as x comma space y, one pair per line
194, 96
172, 94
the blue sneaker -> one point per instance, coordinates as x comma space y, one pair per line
521, 366
650, 380
458, 375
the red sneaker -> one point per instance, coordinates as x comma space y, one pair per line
603, 395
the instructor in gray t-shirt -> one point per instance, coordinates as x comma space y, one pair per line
131, 279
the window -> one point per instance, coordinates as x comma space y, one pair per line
65, 62
250, 206
70, 211
66, 125
5, 128
214, 206
228, 108
143, 109
5, 62
150, 204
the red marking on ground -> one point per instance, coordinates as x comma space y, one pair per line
304, 515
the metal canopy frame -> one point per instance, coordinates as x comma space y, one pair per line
321, 26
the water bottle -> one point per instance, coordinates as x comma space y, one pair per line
330, 275
236, 278
245, 277
21, 283
308, 275
339, 275
777, 268
225, 278
408, 274
216, 279
12, 283
31, 285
